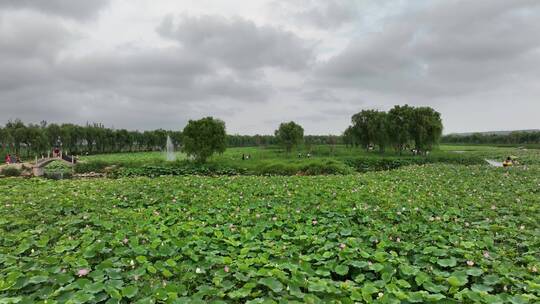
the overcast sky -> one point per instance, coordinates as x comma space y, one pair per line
147, 64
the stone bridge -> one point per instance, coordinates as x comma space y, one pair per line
38, 169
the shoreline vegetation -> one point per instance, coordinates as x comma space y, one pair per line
322, 160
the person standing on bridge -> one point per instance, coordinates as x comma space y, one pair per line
57, 146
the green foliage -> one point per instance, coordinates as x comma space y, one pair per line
58, 166
371, 127
289, 134
97, 166
10, 171
349, 138
204, 137
425, 128
312, 167
366, 164
432, 233
325, 159
399, 121
398, 127
178, 170
505, 138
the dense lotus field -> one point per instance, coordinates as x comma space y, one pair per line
437, 233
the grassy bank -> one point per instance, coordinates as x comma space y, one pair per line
323, 160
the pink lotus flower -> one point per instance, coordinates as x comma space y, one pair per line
314, 222
226, 269
125, 241
486, 254
342, 246
83, 272
257, 215
274, 219
470, 263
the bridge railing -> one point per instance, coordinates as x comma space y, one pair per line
44, 161
70, 159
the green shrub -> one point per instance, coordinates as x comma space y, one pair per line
183, 169
93, 166
276, 168
11, 171
58, 175
312, 167
328, 167
366, 164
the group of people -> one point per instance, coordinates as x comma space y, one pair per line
12, 159
244, 156
308, 155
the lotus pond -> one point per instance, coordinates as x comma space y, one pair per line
434, 233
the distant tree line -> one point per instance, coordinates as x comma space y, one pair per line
518, 137
403, 127
36, 139
29, 140
235, 140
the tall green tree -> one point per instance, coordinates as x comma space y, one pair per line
289, 134
399, 120
204, 137
425, 128
348, 137
367, 127
381, 130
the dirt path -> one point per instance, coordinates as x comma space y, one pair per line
18, 166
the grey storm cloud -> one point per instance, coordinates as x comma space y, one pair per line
66, 8
40, 38
238, 43
313, 61
445, 48
173, 79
